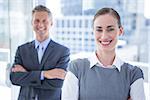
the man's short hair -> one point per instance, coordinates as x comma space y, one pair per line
42, 8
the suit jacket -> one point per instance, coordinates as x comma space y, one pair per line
55, 56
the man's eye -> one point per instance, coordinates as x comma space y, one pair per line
44, 21
36, 21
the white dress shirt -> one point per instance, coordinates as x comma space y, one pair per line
44, 45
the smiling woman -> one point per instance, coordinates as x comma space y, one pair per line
106, 32
104, 75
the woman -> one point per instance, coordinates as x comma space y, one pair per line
104, 76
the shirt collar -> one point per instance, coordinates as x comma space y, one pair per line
94, 60
44, 43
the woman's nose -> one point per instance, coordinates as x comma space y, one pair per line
103, 35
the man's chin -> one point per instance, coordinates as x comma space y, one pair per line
41, 33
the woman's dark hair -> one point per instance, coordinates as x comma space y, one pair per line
110, 11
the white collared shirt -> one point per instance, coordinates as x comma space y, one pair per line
70, 89
44, 44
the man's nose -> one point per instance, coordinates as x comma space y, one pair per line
41, 24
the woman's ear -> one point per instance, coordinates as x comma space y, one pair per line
121, 31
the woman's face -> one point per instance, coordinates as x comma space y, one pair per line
106, 31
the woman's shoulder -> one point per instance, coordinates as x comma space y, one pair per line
79, 63
79, 66
134, 72
130, 67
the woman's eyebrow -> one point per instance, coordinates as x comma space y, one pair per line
98, 27
110, 26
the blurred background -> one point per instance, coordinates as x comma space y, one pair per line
73, 28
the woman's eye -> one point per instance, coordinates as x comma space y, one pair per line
111, 29
99, 30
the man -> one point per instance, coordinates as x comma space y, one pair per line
39, 66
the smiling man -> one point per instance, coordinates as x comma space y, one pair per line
40, 65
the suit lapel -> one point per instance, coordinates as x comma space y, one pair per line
47, 52
33, 53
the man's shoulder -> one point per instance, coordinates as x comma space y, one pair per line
26, 44
58, 45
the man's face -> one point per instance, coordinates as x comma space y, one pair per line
41, 23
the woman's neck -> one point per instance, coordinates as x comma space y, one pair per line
106, 58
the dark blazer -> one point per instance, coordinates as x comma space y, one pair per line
55, 56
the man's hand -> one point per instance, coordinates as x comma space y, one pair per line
18, 68
55, 73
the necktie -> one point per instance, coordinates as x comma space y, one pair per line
40, 52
